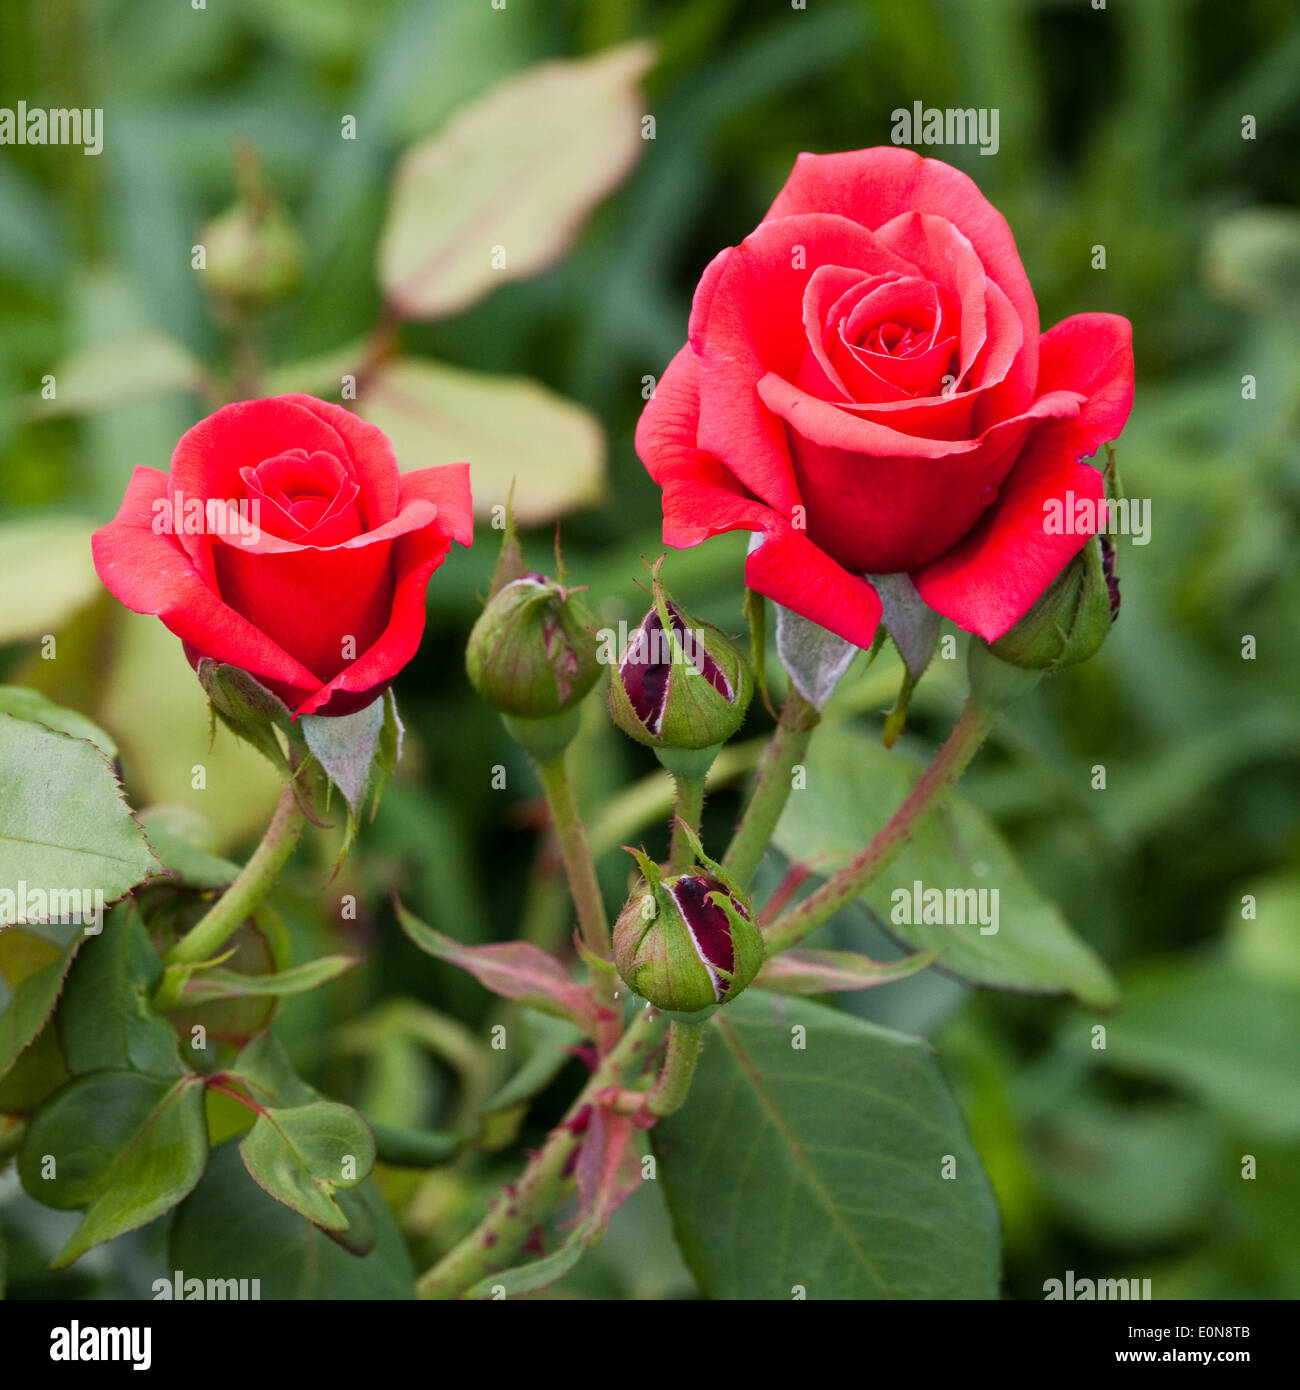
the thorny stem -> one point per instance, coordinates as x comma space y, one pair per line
785, 749
499, 1237
951, 760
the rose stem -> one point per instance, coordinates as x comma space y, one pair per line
949, 762
668, 1094
554, 774
786, 748
224, 917
543, 1184
686, 814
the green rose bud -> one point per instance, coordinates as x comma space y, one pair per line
1068, 623
680, 684
532, 654
253, 253
687, 943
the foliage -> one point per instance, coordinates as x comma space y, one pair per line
1119, 129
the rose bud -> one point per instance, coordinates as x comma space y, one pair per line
253, 253
687, 943
680, 684
532, 654
1068, 623
285, 541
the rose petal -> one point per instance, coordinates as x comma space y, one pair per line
151, 573
874, 186
792, 571
746, 324
701, 498
879, 501
990, 580
415, 556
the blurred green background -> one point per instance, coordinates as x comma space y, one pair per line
1120, 128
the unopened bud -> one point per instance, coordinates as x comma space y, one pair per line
687, 943
532, 653
1069, 622
254, 253
680, 684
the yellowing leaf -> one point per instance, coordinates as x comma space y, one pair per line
46, 576
505, 427
514, 176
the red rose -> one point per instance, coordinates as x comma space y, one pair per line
865, 385
284, 541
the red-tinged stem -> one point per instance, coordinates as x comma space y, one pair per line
948, 764
499, 1237
668, 1094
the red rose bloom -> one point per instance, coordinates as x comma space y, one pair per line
322, 597
865, 384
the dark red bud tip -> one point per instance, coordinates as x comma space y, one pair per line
647, 664
1108, 570
708, 925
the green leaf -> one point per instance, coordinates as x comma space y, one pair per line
220, 983
63, 823
46, 576
106, 375
38, 1072
124, 1147
65, 832
513, 429
264, 1068
822, 1165
853, 787
1201, 1025
182, 839
31, 705
825, 972
298, 1156
539, 1274
548, 1042
519, 169
106, 1020
414, 1148
33, 963
229, 1228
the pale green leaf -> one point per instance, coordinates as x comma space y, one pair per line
508, 428
518, 170
853, 786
